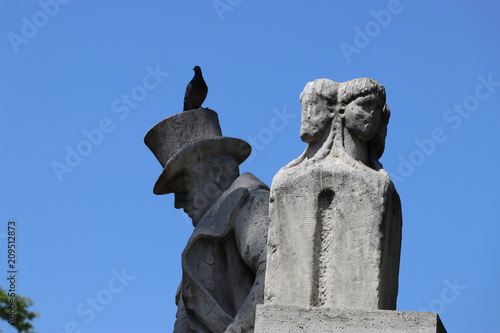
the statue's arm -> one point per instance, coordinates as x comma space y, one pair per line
181, 322
251, 237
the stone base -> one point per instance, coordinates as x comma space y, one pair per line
276, 319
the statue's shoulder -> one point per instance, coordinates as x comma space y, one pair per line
239, 193
250, 182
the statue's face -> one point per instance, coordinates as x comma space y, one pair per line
195, 191
362, 116
315, 116
188, 189
200, 185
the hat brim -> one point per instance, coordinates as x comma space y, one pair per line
195, 152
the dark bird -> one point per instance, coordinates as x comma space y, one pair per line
196, 91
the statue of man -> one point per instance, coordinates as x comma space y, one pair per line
335, 217
223, 263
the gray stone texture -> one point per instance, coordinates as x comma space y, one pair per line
223, 263
276, 319
335, 217
184, 138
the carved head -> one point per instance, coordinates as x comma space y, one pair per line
198, 162
201, 183
363, 111
318, 100
335, 113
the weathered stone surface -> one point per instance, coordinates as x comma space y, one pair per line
224, 261
335, 216
276, 319
182, 139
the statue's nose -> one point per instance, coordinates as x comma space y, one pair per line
180, 200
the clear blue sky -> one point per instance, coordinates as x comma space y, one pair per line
89, 226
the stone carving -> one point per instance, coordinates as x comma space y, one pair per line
335, 216
278, 319
223, 263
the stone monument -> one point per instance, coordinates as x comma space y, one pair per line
223, 264
335, 222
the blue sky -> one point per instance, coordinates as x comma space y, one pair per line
83, 81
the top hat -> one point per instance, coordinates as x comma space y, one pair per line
187, 137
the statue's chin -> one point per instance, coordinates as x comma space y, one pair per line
195, 217
366, 134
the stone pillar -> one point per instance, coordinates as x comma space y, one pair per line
334, 238
335, 216
276, 319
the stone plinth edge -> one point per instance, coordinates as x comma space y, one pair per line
277, 319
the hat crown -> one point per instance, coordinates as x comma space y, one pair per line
180, 130
184, 139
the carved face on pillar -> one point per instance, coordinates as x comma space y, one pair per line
199, 186
363, 116
317, 109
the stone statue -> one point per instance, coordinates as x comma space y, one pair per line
224, 261
335, 217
